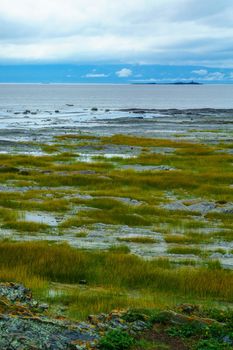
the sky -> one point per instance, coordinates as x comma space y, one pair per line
196, 33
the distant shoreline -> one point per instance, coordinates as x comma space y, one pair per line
175, 83
115, 84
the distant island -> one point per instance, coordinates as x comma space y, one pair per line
174, 83
187, 83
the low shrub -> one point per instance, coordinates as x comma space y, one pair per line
116, 340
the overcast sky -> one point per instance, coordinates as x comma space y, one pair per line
179, 32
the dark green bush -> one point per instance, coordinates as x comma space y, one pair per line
116, 340
211, 344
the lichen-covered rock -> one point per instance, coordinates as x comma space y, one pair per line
171, 317
15, 292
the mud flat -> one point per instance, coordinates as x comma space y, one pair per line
40, 125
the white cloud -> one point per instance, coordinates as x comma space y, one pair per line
124, 73
209, 76
96, 75
215, 76
200, 72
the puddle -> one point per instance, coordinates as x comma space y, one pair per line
53, 293
138, 167
42, 218
91, 157
118, 155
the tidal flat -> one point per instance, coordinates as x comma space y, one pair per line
136, 203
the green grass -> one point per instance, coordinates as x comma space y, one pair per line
26, 226
138, 239
117, 279
81, 234
11, 219
184, 250
8, 215
61, 263
53, 205
119, 249
116, 216
189, 238
201, 172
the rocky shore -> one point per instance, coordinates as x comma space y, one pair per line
26, 324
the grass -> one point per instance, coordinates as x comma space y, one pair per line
8, 215
116, 216
11, 219
146, 344
63, 264
138, 239
190, 238
141, 141
119, 249
26, 226
184, 250
58, 182
200, 172
53, 205
81, 234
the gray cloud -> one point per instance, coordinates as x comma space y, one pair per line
137, 31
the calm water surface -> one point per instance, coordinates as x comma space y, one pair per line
20, 96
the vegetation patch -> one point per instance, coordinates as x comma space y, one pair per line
184, 250
142, 239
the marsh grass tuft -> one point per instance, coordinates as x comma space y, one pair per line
26, 226
138, 239
119, 249
184, 250
61, 263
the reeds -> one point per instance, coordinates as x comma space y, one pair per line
60, 263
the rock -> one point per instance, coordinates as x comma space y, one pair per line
27, 111
83, 282
86, 172
138, 167
93, 319
24, 172
171, 317
25, 325
15, 292
203, 207
188, 308
216, 256
43, 307
7, 169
